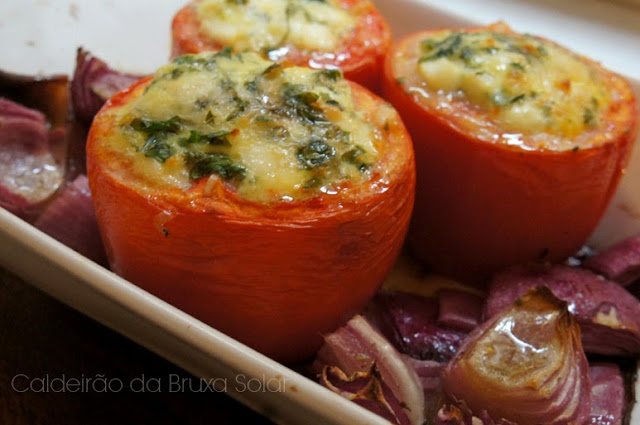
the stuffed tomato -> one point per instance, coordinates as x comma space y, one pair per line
350, 35
269, 202
519, 145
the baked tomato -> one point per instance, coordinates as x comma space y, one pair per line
350, 35
519, 145
269, 202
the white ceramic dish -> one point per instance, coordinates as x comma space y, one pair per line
40, 36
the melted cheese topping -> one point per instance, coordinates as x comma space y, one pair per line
274, 133
525, 84
258, 25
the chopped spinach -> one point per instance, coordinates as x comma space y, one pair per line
589, 117
313, 182
444, 48
333, 132
204, 164
315, 154
210, 118
195, 62
251, 85
172, 125
241, 105
302, 103
354, 157
500, 98
517, 98
466, 46
330, 74
271, 68
335, 103
467, 54
224, 53
157, 148
202, 103
215, 138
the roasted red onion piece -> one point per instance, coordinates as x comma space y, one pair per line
619, 263
429, 372
450, 414
609, 316
459, 310
93, 83
70, 218
358, 347
29, 174
525, 365
366, 389
607, 393
409, 321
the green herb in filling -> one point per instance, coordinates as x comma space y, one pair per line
215, 138
204, 164
172, 125
354, 156
302, 103
315, 154
157, 149
466, 46
332, 75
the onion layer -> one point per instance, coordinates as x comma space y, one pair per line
525, 365
608, 394
411, 323
93, 83
620, 262
362, 353
608, 315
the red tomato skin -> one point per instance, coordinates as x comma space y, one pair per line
480, 207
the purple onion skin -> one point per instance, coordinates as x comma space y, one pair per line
410, 322
524, 365
619, 263
18, 205
607, 394
22, 128
368, 390
93, 83
25, 160
459, 310
358, 349
429, 373
609, 316
70, 218
450, 414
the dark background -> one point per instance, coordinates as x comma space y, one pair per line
41, 337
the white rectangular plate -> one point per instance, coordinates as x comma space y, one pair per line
41, 36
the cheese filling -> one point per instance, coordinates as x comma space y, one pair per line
525, 84
274, 133
265, 25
